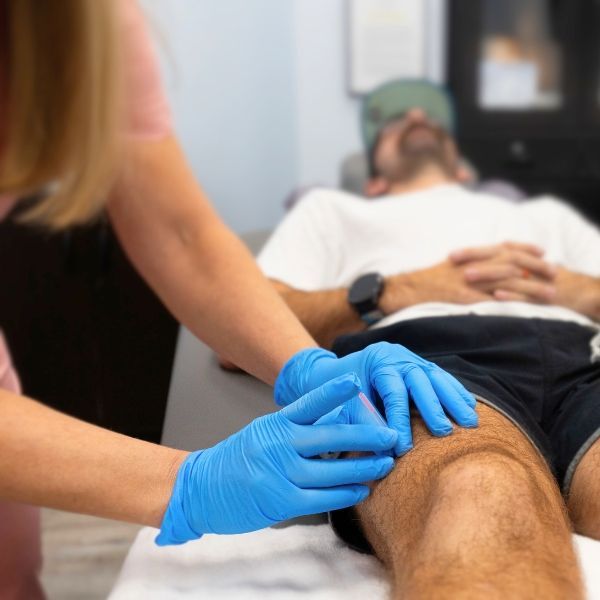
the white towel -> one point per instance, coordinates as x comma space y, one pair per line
302, 561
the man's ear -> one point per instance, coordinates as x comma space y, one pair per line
376, 186
464, 174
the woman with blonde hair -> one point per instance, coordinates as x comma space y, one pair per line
84, 122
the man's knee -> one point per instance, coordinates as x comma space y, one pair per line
495, 446
486, 470
495, 494
479, 478
493, 466
479, 496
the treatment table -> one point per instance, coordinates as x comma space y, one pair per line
302, 559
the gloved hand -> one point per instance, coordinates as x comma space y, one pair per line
393, 372
264, 474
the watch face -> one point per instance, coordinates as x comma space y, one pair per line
365, 291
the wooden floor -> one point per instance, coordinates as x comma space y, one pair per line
82, 555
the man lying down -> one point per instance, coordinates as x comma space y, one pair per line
514, 316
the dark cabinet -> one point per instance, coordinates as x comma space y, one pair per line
86, 333
526, 78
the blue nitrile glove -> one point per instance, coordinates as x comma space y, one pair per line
264, 474
396, 374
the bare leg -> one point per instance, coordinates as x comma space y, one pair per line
473, 515
584, 497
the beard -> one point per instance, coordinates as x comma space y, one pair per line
414, 156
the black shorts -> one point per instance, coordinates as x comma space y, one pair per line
536, 372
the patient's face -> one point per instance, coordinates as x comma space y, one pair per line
411, 143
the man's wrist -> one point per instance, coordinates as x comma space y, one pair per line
400, 291
364, 296
579, 292
591, 301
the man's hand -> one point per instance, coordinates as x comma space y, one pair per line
466, 277
503, 272
444, 282
510, 271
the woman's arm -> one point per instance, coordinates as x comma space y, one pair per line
196, 265
50, 459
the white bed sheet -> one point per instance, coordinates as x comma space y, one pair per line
284, 564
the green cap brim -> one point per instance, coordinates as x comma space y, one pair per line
393, 99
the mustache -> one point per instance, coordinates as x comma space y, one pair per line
439, 134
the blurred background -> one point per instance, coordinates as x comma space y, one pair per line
261, 93
266, 94
266, 99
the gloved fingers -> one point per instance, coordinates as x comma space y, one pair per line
391, 353
392, 390
327, 499
452, 400
291, 381
317, 473
338, 416
321, 439
460, 388
322, 400
427, 402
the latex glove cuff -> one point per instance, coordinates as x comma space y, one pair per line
175, 529
294, 379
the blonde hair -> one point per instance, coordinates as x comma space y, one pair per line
62, 107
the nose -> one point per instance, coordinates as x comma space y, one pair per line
416, 115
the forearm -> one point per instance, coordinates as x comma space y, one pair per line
50, 459
578, 292
325, 314
593, 300
200, 270
401, 291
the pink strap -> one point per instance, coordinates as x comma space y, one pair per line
148, 115
9, 379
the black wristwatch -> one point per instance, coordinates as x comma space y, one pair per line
364, 295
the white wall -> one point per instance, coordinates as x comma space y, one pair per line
327, 116
229, 75
259, 93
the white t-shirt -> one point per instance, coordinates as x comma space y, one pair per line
332, 237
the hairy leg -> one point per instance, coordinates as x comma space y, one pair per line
473, 515
584, 497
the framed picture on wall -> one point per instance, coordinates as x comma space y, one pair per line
391, 39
